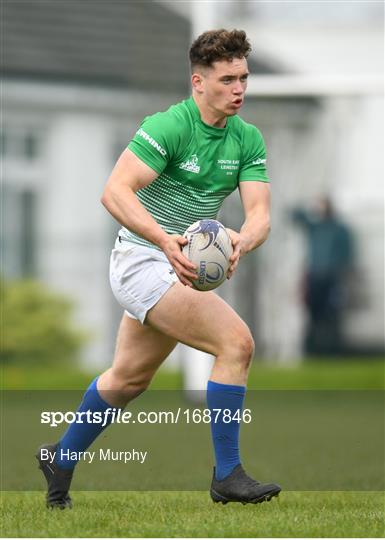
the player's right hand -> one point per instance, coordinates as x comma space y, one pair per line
184, 269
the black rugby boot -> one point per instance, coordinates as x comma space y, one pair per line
238, 487
58, 480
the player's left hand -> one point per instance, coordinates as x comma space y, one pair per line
238, 251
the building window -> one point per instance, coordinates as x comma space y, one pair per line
3, 141
30, 145
20, 142
18, 231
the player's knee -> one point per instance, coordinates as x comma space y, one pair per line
246, 348
239, 348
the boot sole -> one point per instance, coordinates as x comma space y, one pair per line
217, 498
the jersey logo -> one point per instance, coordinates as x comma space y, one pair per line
151, 141
191, 165
259, 161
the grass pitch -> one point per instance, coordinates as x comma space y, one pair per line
332, 374
192, 514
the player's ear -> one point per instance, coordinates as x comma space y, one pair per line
197, 81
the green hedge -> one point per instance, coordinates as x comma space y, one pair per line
36, 325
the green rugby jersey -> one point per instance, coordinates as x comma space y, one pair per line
198, 165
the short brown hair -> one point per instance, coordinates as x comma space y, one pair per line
216, 45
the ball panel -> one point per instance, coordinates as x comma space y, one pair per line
209, 247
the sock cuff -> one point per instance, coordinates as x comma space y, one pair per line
213, 386
96, 395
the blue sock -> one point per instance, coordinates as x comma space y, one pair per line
79, 436
225, 435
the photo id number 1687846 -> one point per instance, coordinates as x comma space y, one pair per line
206, 416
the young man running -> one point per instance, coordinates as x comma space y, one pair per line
179, 167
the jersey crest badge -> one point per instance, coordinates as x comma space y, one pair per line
191, 165
259, 161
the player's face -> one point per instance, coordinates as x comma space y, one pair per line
223, 86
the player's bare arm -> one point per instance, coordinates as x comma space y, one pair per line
255, 197
128, 176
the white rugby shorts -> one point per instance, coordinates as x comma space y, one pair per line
139, 277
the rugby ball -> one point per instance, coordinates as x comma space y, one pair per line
209, 247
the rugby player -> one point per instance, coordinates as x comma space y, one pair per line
178, 168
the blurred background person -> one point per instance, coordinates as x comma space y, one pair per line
329, 266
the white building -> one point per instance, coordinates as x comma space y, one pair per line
78, 79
